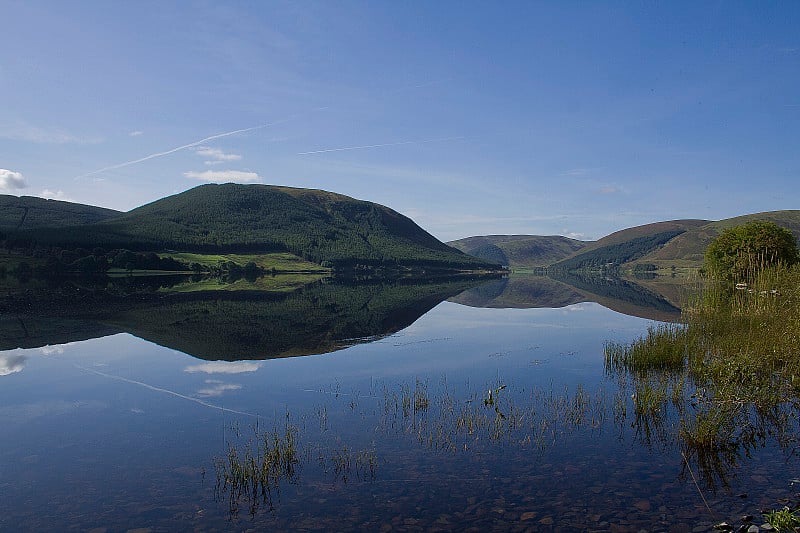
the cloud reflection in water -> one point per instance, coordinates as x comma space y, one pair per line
12, 363
224, 367
217, 388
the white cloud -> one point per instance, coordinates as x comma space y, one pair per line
224, 176
11, 364
11, 180
215, 155
55, 195
135, 133
223, 367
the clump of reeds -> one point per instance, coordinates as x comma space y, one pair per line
252, 473
727, 370
253, 470
494, 415
664, 347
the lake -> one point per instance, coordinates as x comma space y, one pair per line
445, 406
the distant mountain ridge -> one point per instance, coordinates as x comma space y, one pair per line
520, 250
662, 244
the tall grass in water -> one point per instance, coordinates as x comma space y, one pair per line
257, 465
663, 348
253, 473
748, 344
730, 371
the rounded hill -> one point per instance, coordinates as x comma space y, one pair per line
319, 226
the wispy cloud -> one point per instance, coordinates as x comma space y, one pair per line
136, 133
610, 190
222, 367
576, 172
215, 155
224, 176
26, 132
183, 147
11, 180
382, 145
11, 364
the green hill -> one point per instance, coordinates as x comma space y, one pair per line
29, 212
675, 243
319, 226
532, 251
690, 247
627, 245
519, 251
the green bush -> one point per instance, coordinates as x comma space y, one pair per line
738, 254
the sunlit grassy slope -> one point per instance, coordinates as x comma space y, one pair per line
278, 262
690, 246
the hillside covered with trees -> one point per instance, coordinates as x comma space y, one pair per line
28, 212
325, 228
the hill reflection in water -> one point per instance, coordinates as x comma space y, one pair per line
224, 325
529, 291
316, 318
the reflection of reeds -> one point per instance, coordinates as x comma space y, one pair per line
462, 421
253, 470
728, 373
345, 462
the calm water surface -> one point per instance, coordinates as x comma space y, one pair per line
118, 433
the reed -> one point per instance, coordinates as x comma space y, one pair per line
253, 472
729, 371
663, 348
783, 519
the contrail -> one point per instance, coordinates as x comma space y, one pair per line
166, 391
184, 147
401, 143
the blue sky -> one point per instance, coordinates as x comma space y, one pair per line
472, 118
